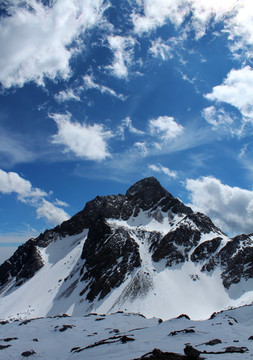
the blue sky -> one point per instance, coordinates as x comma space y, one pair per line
95, 95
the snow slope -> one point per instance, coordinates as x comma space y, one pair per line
99, 337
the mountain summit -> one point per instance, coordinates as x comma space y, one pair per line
144, 252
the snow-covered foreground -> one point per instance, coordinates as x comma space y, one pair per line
101, 337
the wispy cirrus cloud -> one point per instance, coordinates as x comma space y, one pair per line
85, 141
158, 168
161, 49
91, 84
11, 182
67, 95
127, 124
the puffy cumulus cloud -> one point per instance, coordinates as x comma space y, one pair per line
91, 84
85, 141
204, 11
52, 213
13, 183
122, 49
157, 12
38, 41
230, 208
199, 14
236, 90
164, 170
166, 127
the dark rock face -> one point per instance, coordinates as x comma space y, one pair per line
235, 259
203, 251
101, 252
23, 264
170, 246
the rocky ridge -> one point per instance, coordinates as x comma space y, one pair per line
120, 231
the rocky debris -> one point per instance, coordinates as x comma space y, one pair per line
251, 337
158, 354
28, 353
213, 342
64, 327
235, 349
113, 339
230, 350
25, 322
4, 322
9, 339
2, 347
184, 331
191, 352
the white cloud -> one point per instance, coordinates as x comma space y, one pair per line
166, 127
160, 49
236, 90
122, 48
235, 14
90, 84
67, 95
85, 141
60, 203
13, 183
52, 213
222, 121
127, 124
230, 208
36, 43
164, 170
157, 12
141, 146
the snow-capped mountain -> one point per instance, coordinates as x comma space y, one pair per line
143, 252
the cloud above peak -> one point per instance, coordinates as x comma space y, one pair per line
165, 127
85, 141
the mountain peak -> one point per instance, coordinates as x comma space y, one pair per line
148, 191
149, 183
